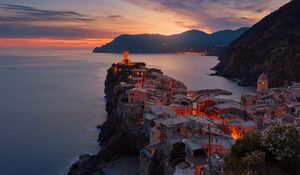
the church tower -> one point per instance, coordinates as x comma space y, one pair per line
262, 85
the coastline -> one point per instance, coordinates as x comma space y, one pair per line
115, 131
164, 128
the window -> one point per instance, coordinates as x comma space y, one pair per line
178, 129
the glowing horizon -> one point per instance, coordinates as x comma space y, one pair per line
51, 43
83, 24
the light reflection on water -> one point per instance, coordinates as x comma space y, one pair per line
51, 101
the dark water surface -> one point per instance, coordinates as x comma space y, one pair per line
52, 100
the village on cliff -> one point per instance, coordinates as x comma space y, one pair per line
206, 125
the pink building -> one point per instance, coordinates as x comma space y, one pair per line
137, 95
248, 100
149, 83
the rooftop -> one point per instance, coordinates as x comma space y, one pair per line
177, 105
139, 70
175, 139
169, 122
228, 105
184, 169
204, 120
137, 78
245, 124
215, 140
191, 145
159, 110
166, 78
150, 116
179, 96
138, 89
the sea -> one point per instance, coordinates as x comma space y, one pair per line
51, 101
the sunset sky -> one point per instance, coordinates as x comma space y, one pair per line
91, 23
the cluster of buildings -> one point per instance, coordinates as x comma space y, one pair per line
275, 106
208, 126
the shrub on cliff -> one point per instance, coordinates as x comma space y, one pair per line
274, 151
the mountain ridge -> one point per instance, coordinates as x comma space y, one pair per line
191, 40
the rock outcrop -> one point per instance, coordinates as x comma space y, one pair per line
116, 137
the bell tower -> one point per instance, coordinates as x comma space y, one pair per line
262, 85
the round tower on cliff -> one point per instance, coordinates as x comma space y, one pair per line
126, 60
262, 85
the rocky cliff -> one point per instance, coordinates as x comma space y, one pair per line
116, 137
271, 46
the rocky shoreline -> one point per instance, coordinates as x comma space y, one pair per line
120, 137
123, 134
116, 139
156, 126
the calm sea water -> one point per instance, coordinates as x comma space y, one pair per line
52, 100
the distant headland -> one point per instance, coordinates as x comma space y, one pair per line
192, 41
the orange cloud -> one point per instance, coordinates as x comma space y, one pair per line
49, 25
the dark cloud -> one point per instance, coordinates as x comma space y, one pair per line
61, 32
114, 16
213, 14
15, 13
206, 5
24, 21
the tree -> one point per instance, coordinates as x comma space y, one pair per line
274, 151
255, 162
283, 146
243, 154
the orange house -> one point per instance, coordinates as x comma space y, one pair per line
239, 129
179, 109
